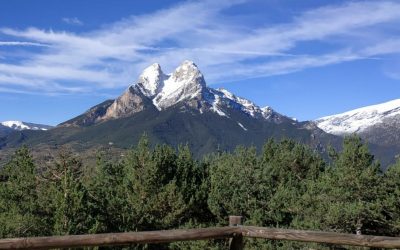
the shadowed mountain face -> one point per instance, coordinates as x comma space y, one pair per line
4, 130
176, 108
203, 132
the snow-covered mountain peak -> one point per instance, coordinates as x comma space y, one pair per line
19, 125
184, 83
187, 72
187, 83
186, 65
358, 120
151, 80
185, 89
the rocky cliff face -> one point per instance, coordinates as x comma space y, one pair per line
130, 102
90, 117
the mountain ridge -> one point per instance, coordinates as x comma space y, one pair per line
158, 90
20, 125
179, 108
378, 124
8, 127
360, 119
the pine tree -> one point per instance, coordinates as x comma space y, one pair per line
152, 191
107, 202
287, 167
347, 197
21, 212
68, 195
192, 181
235, 186
391, 199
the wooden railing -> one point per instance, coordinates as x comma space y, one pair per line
235, 231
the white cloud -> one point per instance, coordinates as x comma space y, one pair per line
72, 21
225, 50
17, 43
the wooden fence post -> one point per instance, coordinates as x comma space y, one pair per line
236, 242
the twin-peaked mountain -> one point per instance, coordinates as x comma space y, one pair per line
185, 87
176, 108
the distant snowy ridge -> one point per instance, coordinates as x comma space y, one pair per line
359, 120
19, 125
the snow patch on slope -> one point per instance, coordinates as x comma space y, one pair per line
246, 105
215, 106
267, 112
241, 125
358, 120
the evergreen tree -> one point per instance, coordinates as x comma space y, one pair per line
235, 186
192, 180
391, 200
287, 167
286, 185
107, 197
265, 188
21, 212
347, 197
68, 195
152, 192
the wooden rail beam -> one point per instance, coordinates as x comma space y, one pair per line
235, 231
113, 239
321, 237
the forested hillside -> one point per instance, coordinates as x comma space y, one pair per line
287, 185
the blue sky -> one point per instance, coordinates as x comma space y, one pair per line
305, 59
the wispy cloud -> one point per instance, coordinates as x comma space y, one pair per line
72, 21
225, 50
17, 43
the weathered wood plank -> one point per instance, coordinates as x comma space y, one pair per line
321, 237
235, 232
112, 239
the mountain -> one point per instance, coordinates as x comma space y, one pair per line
8, 127
156, 90
175, 108
378, 124
19, 125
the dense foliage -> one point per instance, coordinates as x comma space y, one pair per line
285, 185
